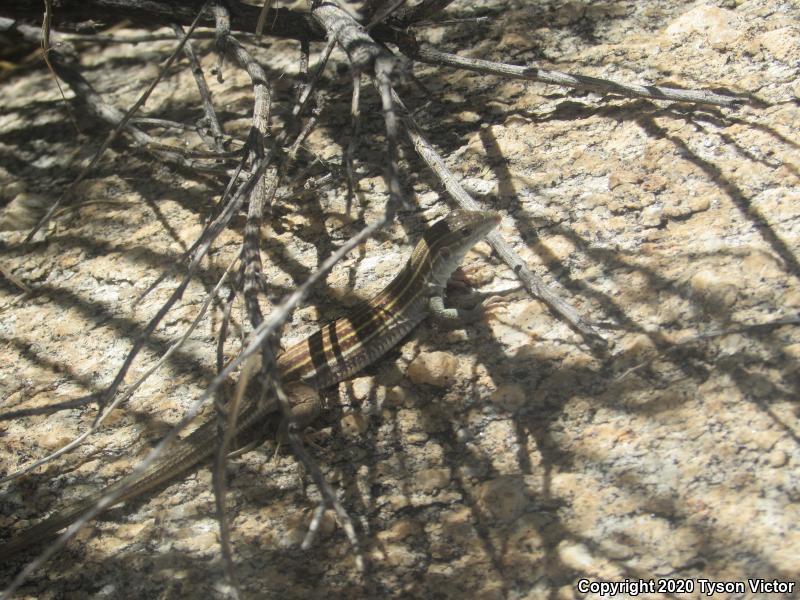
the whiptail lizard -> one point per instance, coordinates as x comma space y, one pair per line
332, 354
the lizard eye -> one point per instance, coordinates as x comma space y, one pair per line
466, 232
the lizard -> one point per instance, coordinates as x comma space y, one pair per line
335, 352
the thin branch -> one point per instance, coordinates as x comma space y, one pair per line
355, 117
251, 262
305, 93
205, 94
383, 12
594, 84
420, 12
219, 475
45, 32
252, 283
262, 17
225, 323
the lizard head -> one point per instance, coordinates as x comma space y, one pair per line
449, 239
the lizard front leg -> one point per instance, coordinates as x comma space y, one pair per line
460, 316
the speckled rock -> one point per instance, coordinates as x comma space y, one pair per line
434, 368
505, 459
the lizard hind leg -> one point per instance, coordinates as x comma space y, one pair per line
306, 406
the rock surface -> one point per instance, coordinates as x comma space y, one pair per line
504, 460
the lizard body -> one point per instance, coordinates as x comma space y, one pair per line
335, 352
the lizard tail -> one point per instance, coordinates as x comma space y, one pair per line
47, 529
